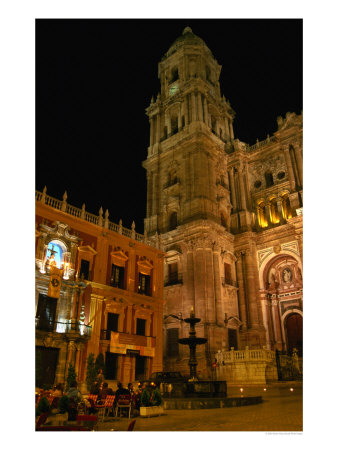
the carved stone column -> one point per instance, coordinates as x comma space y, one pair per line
290, 169
243, 312
179, 118
299, 161
149, 193
280, 211
200, 110
158, 128
232, 187
242, 187
185, 110
227, 128
189, 280
231, 131
71, 354
151, 142
61, 373
168, 122
277, 324
217, 288
270, 323
206, 113
193, 107
251, 289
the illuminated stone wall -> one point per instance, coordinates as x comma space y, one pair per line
213, 203
101, 244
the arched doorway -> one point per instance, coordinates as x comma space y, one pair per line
294, 333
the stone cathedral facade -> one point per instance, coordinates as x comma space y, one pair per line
228, 215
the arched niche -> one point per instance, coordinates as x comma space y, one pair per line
282, 273
268, 263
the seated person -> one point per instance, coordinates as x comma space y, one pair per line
105, 391
95, 389
120, 391
75, 397
58, 390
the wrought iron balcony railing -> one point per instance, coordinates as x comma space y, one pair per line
173, 281
126, 338
229, 282
62, 327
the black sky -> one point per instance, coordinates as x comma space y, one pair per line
94, 79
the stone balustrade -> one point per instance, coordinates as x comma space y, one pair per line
259, 144
88, 217
245, 355
256, 366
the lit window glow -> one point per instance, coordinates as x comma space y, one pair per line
54, 253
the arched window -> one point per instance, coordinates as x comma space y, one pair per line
261, 214
286, 207
173, 221
274, 216
174, 125
174, 75
172, 178
268, 179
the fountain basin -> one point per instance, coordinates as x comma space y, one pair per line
210, 403
190, 389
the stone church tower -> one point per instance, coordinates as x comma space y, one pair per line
201, 211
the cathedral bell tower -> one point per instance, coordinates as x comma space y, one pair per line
189, 205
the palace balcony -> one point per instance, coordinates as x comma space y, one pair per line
126, 338
229, 282
62, 327
173, 281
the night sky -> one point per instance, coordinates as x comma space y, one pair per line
94, 79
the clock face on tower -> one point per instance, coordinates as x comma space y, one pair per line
173, 89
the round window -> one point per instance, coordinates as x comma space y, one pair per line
258, 184
281, 175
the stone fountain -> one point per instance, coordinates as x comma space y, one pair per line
192, 341
195, 393
194, 387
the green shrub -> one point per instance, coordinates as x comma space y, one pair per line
99, 363
43, 406
71, 375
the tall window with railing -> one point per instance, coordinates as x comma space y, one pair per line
144, 284
84, 269
117, 276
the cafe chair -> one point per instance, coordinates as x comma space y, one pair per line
109, 405
131, 425
41, 420
123, 402
93, 398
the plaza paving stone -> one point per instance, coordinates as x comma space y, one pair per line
281, 410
